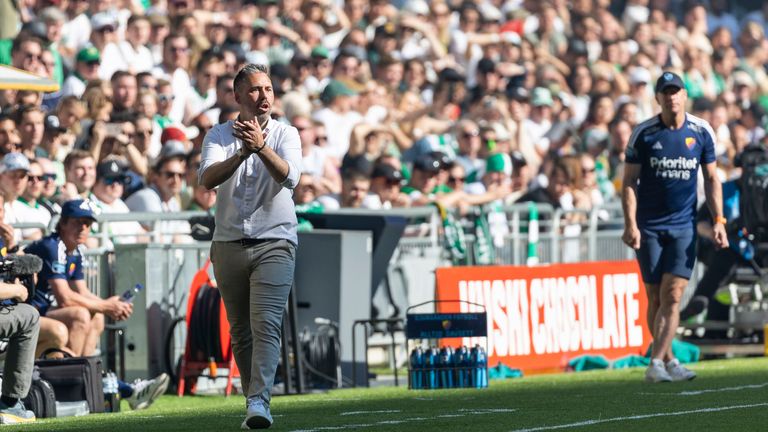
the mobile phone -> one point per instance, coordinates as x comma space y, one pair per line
113, 129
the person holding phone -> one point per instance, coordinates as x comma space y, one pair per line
61, 295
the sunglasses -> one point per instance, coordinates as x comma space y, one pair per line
470, 134
457, 179
588, 170
171, 174
166, 98
109, 181
35, 179
49, 177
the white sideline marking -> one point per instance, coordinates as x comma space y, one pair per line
464, 412
349, 413
639, 417
744, 387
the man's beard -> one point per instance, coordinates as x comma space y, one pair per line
263, 119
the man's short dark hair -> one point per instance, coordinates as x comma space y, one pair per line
22, 39
23, 110
248, 70
121, 74
76, 155
136, 18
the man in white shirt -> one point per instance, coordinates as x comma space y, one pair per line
174, 69
27, 208
338, 116
13, 180
87, 65
111, 178
136, 57
255, 162
162, 195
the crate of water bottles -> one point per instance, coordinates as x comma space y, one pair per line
433, 362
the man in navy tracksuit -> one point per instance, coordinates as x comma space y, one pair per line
659, 199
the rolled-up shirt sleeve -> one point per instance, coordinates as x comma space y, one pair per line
290, 151
213, 152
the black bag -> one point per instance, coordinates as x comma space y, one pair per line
41, 399
74, 378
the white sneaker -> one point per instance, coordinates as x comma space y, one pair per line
679, 372
146, 391
656, 372
258, 416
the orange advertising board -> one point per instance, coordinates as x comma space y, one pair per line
541, 317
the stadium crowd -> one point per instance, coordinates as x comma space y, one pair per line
397, 103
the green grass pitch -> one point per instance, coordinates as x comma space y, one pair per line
728, 395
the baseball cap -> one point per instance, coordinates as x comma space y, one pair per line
335, 89
639, 75
668, 79
390, 173
111, 169
541, 97
52, 123
427, 163
89, 54
172, 133
518, 93
103, 19
389, 30
13, 162
171, 149
79, 209
742, 78
499, 162
320, 52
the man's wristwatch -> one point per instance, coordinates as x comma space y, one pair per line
721, 220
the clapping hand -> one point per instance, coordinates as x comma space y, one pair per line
250, 133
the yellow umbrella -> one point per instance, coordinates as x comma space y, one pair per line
17, 79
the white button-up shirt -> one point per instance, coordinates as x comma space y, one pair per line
251, 204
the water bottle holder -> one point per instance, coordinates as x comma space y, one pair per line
445, 377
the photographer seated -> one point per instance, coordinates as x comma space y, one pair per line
62, 296
19, 326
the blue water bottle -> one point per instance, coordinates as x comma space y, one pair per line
431, 358
461, 364
479, 367
446, 367
417, 368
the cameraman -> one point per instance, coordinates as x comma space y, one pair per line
19, 325
62, 295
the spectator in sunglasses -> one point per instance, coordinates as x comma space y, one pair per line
162, 195
13, 180
27, 207
111, 179
50, 185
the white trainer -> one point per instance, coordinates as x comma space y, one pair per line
656, 372
258, 416
147, 391
679, 372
